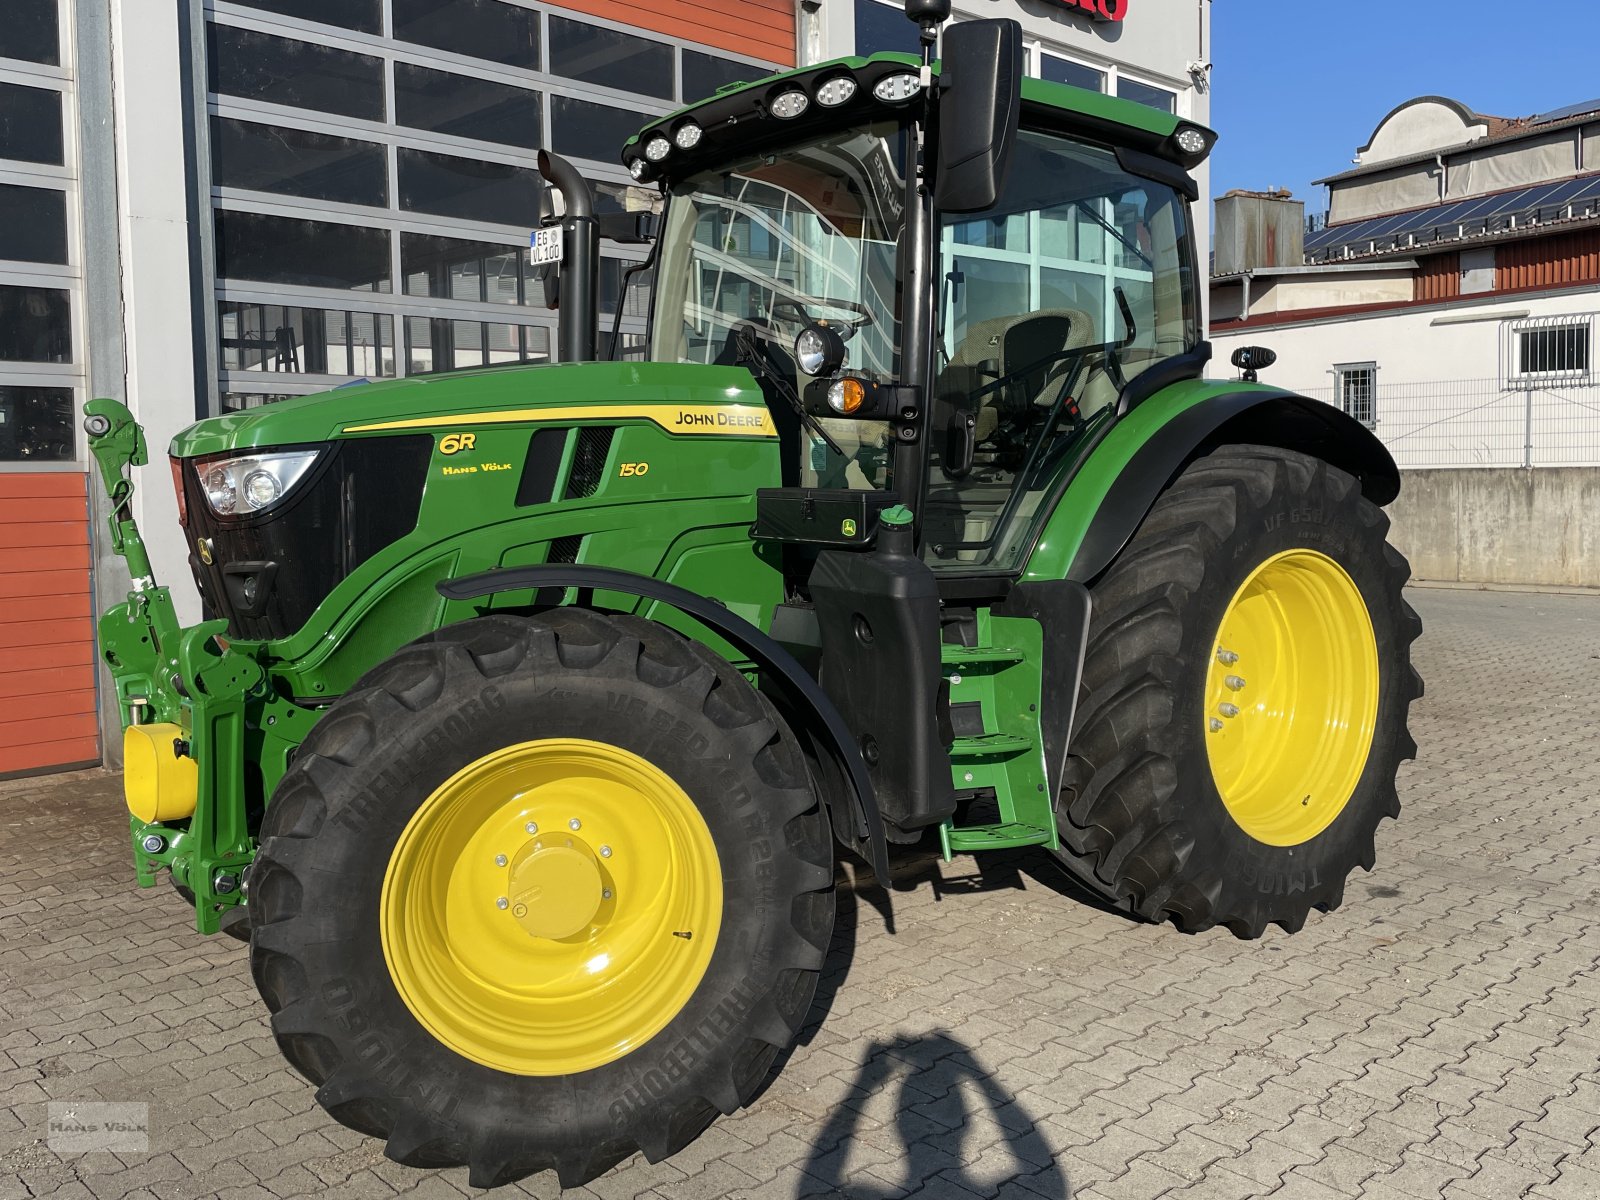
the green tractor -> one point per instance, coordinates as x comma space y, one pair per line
535, 703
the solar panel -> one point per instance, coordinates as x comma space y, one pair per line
1571, 110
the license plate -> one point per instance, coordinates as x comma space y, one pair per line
547, 245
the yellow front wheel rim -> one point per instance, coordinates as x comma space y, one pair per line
1291, 697
551, 906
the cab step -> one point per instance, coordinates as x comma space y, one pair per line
986, 746
1005, 835
979, 656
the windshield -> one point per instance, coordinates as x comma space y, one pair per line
755, 251
1078, 280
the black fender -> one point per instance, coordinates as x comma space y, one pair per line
1254, 417
800, 697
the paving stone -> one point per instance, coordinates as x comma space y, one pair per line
1438, 1035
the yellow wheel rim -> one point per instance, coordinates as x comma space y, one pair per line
551, 907
1291, 697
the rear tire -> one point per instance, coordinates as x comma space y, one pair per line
1142, 819
324, 951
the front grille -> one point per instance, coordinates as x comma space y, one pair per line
269, 572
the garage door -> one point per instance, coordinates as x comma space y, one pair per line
47, 675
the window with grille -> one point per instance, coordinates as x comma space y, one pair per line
1358, 391
1552, 352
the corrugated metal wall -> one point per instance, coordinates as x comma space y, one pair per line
1439, 277
1565, 258
758, 28
47, 685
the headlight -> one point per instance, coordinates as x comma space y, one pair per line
1193, 143
637, 167
252, 483
818, 350
688, 136
894, 89
657, 148
836, 91
790, 104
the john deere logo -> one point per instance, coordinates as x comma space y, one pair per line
203, 549
847, 527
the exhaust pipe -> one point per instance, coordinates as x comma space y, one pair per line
578, 316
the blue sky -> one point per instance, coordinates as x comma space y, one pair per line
1298, 86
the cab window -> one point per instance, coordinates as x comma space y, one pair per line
1077, 281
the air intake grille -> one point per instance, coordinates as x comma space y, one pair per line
565, 550
589, 461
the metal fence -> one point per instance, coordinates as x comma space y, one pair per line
1484, 422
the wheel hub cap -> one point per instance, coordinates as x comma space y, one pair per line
1291, 697
555, 888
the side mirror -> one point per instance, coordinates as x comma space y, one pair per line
979, 108
1253, 359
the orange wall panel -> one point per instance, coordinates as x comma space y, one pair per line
763, 29
1547, 262
48, 700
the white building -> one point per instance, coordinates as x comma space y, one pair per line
1450, 300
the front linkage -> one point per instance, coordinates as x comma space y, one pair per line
191, 706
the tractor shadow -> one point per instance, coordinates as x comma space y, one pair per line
939, 1087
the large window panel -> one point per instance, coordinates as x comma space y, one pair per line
314, 341
297, 162
37, 424
1144, 93
583, 129
33, 224
488, 29
437, 344
468, 188
610, 58
1063, 70
443, 102
458, 269
880, 27
280, 70
30, 124
364, 16
253, 246
31, 31
703, 74
35, 324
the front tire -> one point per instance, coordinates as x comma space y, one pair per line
1244, 701
540, 892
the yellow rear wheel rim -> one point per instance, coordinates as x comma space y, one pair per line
551, 906
1291, 697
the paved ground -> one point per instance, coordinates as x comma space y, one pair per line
1439, 1036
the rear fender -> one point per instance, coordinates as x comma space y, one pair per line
1113, 491
798, 696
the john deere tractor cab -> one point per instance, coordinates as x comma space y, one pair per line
534, 704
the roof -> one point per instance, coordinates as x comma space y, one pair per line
1340, 268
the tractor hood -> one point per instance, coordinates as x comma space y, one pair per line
671, 394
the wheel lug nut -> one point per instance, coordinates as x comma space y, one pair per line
499, 860
1227, 657
1216, 725
1234, 682
1228, 710
605, 894
605, 851
502, 904
532, 827
574, 824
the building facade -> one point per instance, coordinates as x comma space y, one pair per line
207, 205
1450, 300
